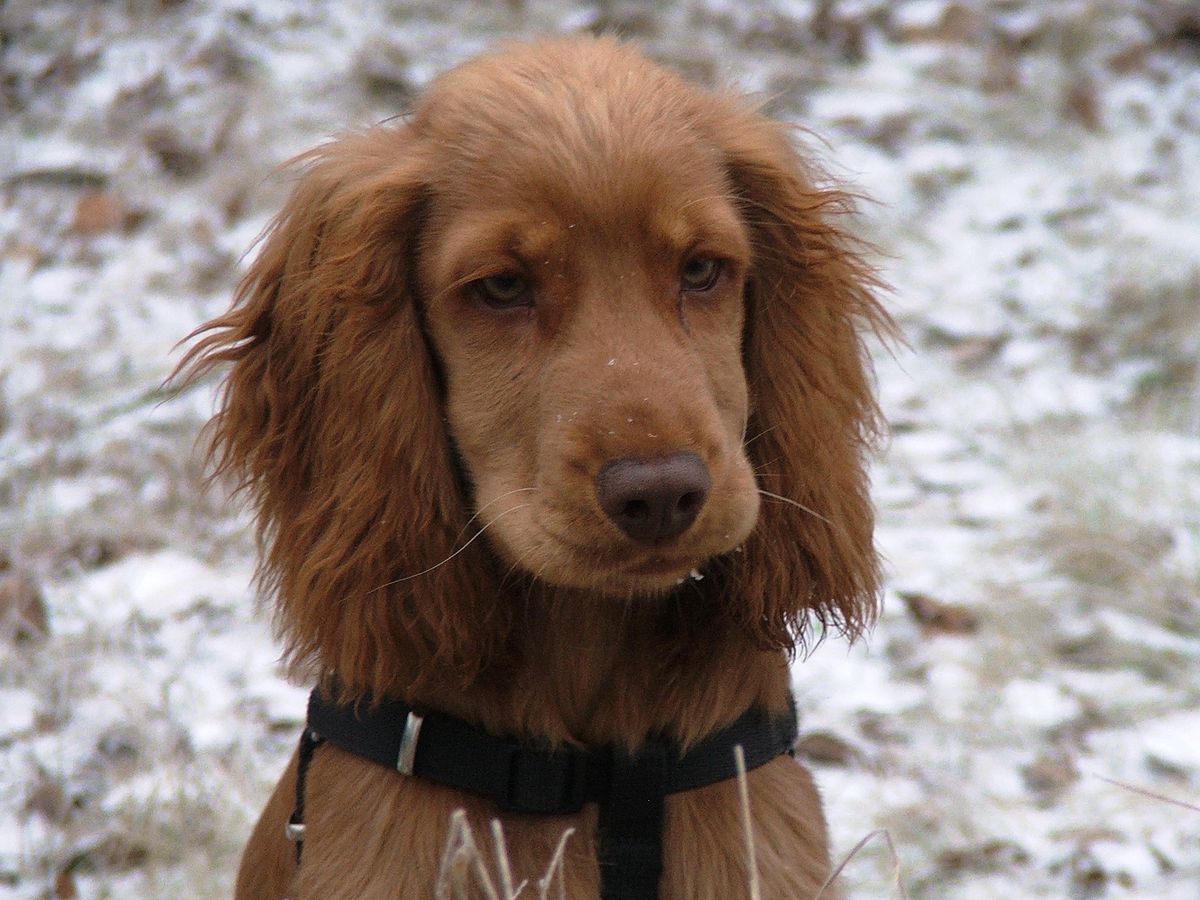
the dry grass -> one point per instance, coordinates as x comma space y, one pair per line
114, 799
897, 871
1151, 318
467, 869
1122, 525
1152, 795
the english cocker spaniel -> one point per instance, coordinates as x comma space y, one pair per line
552, 405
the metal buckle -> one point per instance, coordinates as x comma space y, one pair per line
294, 831
408, 744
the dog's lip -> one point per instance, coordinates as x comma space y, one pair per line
627, 560
661, 564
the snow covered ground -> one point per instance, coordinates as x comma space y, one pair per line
1036, 168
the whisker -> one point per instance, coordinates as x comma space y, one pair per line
763, 465
747, 442
801, 506
477, 512
470, 541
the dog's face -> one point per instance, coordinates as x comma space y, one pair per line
586, 302
644, 317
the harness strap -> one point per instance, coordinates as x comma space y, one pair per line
630, 825
525, 777
309, 740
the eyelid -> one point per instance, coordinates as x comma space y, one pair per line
479, 289
491, 267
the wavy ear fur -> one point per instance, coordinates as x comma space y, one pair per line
331, 422
814, 418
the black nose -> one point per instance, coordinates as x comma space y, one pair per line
654, 499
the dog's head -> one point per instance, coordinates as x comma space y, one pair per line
604, 317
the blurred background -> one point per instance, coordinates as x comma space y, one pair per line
1033, 170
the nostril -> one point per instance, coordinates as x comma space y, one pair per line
654, 499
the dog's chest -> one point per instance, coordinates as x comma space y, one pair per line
373, 834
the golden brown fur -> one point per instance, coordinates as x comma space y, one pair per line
382, 407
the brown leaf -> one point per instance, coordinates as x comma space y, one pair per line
958, 23
1050, 773
48, 799
97, 212
176, 156
989, 856
22, 608
64, 886
936, 617
1081, 103
826, 748
1001, 69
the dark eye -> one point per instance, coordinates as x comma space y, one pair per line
700, 274
503, 291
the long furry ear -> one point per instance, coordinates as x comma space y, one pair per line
331, 421
814, 418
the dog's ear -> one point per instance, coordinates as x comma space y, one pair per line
814, 418
330, 419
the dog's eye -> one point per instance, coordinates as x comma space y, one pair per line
503, 291
700, 274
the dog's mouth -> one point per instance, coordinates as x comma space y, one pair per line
654, 574
652, 570
616, 569
663, 565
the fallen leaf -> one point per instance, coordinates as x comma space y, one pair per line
937, 617
22, 608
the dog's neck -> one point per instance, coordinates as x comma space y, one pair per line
592, 670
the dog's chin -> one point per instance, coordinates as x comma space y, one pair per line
649, 580
620, 576
567, 558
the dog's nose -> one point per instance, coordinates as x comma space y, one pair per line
654, 499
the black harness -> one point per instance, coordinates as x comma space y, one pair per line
630, 790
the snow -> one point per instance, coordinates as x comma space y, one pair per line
1038, 704
1040, 230
1165, 742
17, 712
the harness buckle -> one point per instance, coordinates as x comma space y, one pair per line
548, 783
408, 744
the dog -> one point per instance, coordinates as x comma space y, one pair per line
552, 405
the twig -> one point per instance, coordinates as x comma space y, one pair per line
502, 863
442, 888
1153, 795
739, 758
556, 868
461, 856
897, 881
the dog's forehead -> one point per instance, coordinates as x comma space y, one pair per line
591, 124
